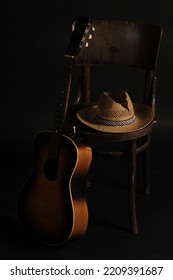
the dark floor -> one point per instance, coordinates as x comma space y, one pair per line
108, 235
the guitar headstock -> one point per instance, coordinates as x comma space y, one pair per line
80, 31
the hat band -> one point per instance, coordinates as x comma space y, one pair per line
115, 123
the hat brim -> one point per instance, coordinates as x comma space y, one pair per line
143, 116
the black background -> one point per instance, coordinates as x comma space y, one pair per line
35, 37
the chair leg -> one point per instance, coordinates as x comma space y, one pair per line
146, 170
132, 185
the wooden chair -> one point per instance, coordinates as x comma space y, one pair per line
120, 43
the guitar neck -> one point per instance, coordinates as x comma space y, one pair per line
81, 28
61, 107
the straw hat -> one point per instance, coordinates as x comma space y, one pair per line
115, 113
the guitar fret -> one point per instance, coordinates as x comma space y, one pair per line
63, 90
57, 127
61, 96
55, 142
56, 114
59, 118
59, 108
57, 124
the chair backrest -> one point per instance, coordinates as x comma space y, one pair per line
122, 43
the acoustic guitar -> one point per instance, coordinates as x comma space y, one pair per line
52, 206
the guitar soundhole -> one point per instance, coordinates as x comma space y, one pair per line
50, 169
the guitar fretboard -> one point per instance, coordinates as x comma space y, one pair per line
60, 108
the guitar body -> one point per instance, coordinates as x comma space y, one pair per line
55, 210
